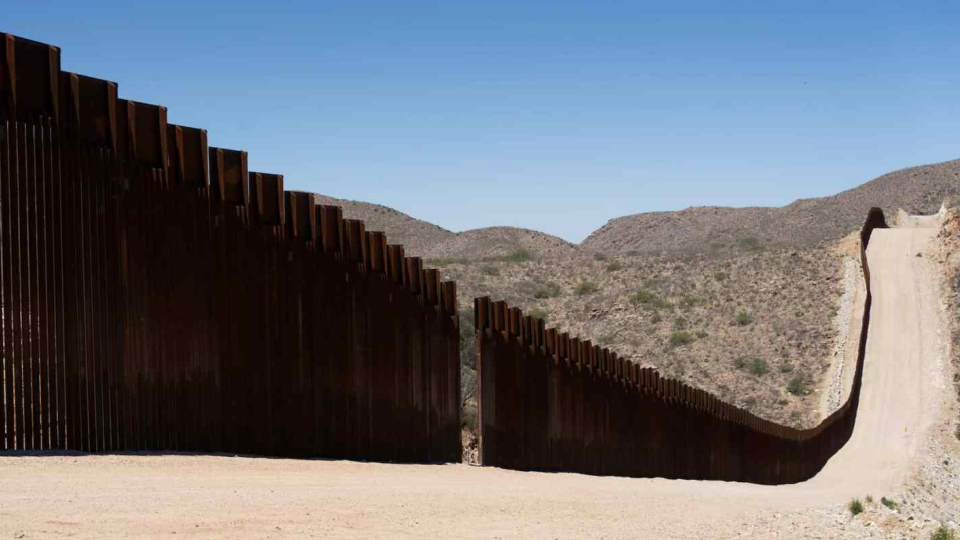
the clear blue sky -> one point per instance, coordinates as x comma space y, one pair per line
553, 115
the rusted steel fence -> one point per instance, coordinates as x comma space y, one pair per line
158, 296
549, 402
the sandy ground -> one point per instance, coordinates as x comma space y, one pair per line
238, 497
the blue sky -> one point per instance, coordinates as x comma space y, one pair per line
555, 116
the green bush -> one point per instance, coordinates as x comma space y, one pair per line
537, 313
796, 385
521, 255
679, 323
869, 499
855, 507
740, 362
744, 318
888, 503
656, 318
546, 290
649, 299
614, 266
786, 368
585, 287
600, 256
758, 366
468, 340
943, 533
681, 338
720, 276
490, 270
750, 243
446, 262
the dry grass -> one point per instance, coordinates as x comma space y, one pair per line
768, 308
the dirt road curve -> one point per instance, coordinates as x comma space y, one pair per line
228, 497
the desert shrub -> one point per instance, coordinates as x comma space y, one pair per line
468, 386
606, 339
614, 266
600, 256
786, 368
957, 433
855, 507
688, 302
656, 318
633, 253
468, 418
750, 243
490, 270
647, 298
681, 338
701, 334
758, 366
740, 362
446, 262
943, 533
869, 499
720, 276
521, 255
546, 290
468, 340
888, 503
679, 323
585, 287
537, 313
796, 386
744, 318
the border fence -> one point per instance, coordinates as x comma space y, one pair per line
551, 402
158, 296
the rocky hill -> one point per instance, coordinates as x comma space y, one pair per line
424, 239
747, 303
802, 224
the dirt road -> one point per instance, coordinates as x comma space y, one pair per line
229, 497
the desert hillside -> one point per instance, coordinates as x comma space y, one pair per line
424, 239
802, 224
747, 303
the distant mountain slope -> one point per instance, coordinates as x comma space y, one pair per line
711, 229
424, 239
804, 223
501, 241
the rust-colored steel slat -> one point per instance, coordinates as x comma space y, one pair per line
29, 79
7, 222
157, 296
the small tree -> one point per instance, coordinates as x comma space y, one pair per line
758, 366
680, 338
585, 288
